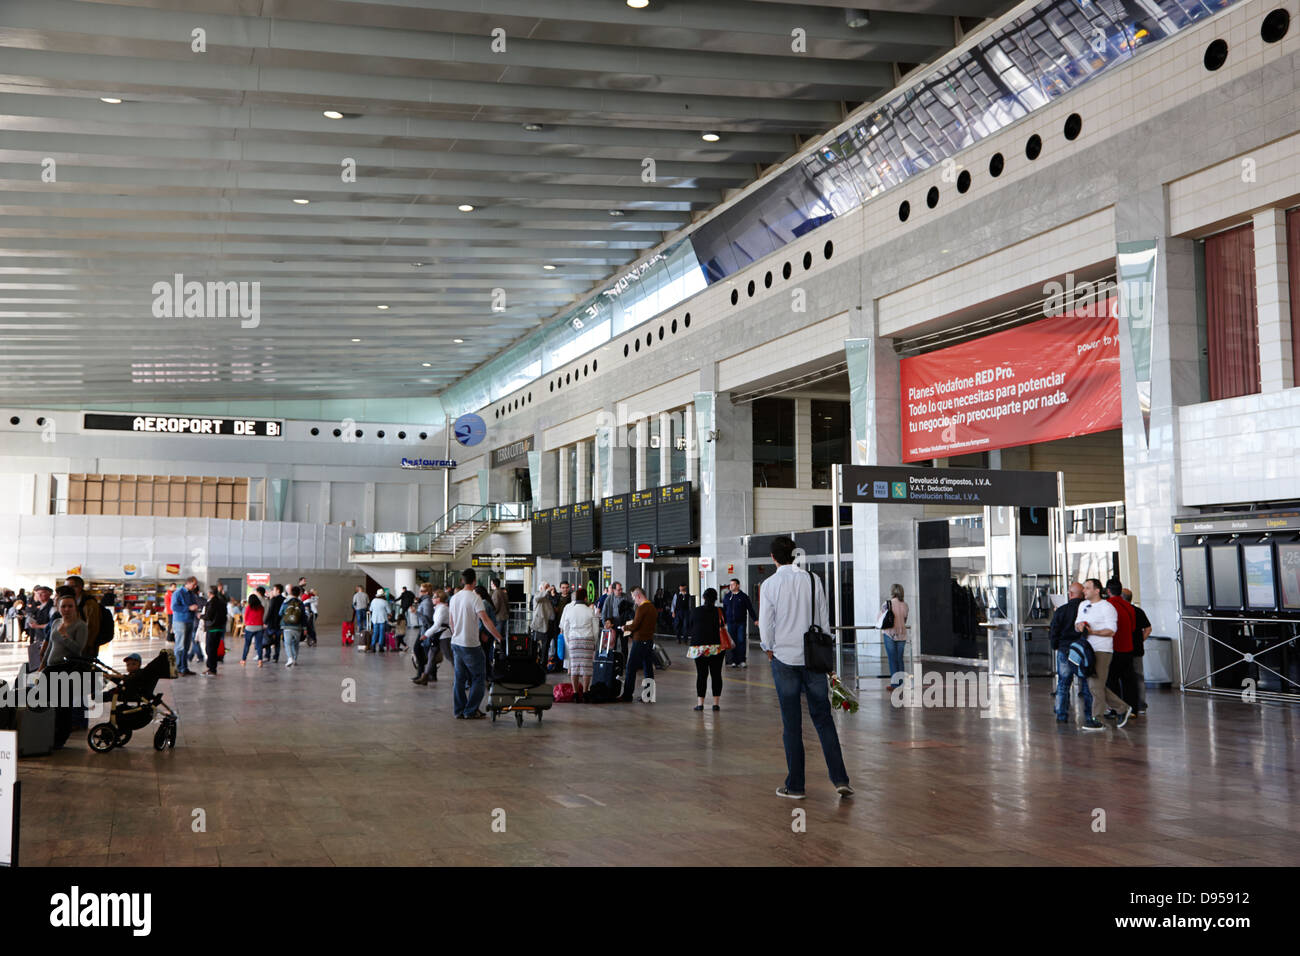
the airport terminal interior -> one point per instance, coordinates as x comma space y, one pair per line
650, 433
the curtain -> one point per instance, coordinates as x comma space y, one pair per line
1233, 324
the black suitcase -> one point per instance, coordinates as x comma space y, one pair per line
662, 660
607, 670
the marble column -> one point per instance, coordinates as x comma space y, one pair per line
1273, 300
726, 489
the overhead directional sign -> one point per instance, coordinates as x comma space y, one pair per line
890, 485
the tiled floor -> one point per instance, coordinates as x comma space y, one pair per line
274, 767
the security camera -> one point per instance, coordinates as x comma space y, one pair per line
713, 435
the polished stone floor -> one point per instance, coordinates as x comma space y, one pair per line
274, 767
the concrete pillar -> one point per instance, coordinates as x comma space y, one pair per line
615, 477
1273, 301
403, 578
642, 455
665, 448
1152, 478
727, 490
323, 506
566, 479
803, 443
584, 472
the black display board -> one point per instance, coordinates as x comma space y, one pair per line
1225, 572
1196, 576
1261, 576
613, 523
582, 525
642, 526
901, 485
542, 532
674, 519
1288, 575
560, 531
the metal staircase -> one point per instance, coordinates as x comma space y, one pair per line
446, 539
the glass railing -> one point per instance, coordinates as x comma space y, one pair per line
412, 542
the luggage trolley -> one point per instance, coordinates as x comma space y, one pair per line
519, 682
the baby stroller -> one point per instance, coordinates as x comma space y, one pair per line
132, 704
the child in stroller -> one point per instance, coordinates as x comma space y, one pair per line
132, 702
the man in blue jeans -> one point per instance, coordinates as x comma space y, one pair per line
466, 611
738, 611
184, 604
1061, 634
787, 608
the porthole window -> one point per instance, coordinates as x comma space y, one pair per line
423, 436
593, 365
1073, 126
687, 321
530, 398
586, 370
40, 421
1216, 54
735, 296
14, 419
1275, 26
649, 339
552, 386
904, 210
638, 346
750, 288
1034, 147
767, 280
963, 181
497, 413
401, 436
932, 197
360, 433
785, 271
996, 165
625, 351
315, 431
807, 260
828, 250
566, 378
380, 433
661, 333
337, 433
673, 327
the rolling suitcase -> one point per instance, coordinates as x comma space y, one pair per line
349, 629
661, 658
607, 669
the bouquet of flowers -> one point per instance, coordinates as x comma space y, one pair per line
841, 697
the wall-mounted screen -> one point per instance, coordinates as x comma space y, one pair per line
1258, 562
1196, 581
1288, 573
1225, 572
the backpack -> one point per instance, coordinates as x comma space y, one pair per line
291, 615
886, 622
106, 625
1082, 656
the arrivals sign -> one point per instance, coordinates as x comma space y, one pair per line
900, 485
1054, 378
183, 425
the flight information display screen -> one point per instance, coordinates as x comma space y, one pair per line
674, 519
582, 528
613, 523
561, 525
542, 532
642, 526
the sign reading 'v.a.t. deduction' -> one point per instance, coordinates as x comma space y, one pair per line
901, 485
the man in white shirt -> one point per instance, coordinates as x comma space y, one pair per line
1096, 618
359, 604
378, 621
466, 612
789, 602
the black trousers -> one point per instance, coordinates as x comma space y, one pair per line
210, 647
706, 667
1122, 679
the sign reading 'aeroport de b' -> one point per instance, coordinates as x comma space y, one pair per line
870, 485
184, 425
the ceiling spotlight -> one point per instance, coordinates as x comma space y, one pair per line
333, 114
465, 207
710, 137
356, 340
417, 264
381, 307
616, 212
110, 99
533, 127
427, 364
856, 18
638, 4
302, 202
459, 341
548, 267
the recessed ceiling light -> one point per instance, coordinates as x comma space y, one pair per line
616, 212
356, 340
459, 341
548, 267
417, 264
533, 127
427, 364
465, 207
302, 202
638, 4
333, 114
381, 307
710, 137
110, 99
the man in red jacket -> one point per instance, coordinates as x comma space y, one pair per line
1122, 679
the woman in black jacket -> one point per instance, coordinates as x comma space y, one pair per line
214, 627
706, 648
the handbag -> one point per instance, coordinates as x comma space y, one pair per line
726, 642
818, 646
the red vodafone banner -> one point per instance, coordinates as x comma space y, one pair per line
1051, 379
